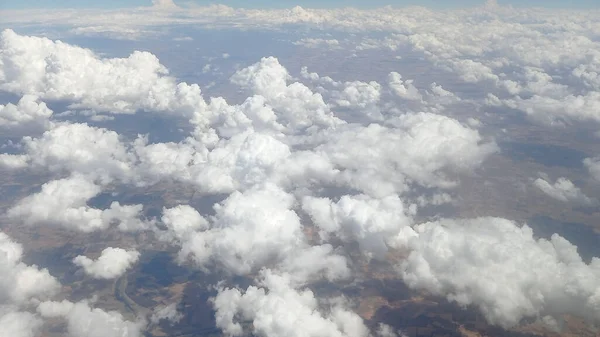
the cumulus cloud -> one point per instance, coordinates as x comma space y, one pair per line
18, 281
296, 105
277, 309
54, 70
29, 113
181, 221
424, 148
502, 269
20, 284
241, 220
83, 320
403, 88
63, 202
225, 135
250, 231
564, 190
112, 263
363, 98
359, 94
246, 237
366, 220
77, 148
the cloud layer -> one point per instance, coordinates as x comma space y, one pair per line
301, 169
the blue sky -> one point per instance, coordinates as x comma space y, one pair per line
290, 3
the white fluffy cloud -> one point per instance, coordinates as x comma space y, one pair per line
18, 281
362, 98
29, 113
83, 320
359, 94
58, 71
19, 285
564, 190
424, 148
63, 202
297, 106
250, 231
369, 221
502, 269
233, 132
403, 88
277, 309
112, 263
181, 221
78, 148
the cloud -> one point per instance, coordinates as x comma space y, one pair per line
83, 320
111, 31
502, 269
184, 38
18, 281
182, 221
564, 190
285, 139
360, 218
237, 163
318, 43
385, 330
168, 312
112, 263
19, 324
404, 89
358, 94
277, 309
29, 113
78, 148
288, 160
593, 166
559, 110
21, 284
13, 162
379, 160
53, 70
164, 5
362, 98
216, 157
296, 105
63, 202
249, 231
